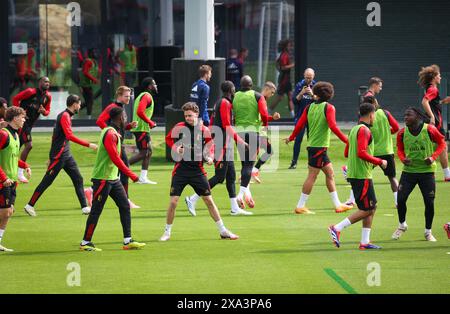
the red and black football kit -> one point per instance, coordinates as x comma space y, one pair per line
60, 158
30, 100
224, 153
432, 95
189, 169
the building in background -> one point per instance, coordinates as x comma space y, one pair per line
52, 38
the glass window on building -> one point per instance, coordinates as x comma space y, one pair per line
142, 40
61, 41
254, 29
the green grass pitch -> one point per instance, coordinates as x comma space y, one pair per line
278, 252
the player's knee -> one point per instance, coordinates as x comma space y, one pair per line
330, 176
29, 145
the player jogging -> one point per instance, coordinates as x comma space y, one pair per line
105, 179
268, 91
430, 78
359, 151
143, 112
382, 130
60, 157
320, 119
123, 96
250, 114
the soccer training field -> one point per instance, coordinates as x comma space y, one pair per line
278, 251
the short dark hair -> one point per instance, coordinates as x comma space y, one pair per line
324, 91
190, 106
420, 114
283, 44
375, 80
246, 82
227, 87
365, 108
13, 112
146, 82
115, 112
369, 99
72, 99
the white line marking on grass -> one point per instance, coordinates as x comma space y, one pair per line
389, 215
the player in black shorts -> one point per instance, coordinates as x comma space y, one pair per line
35, 101
190, 143
284, 65
429, 79
223, 159
359, 151
9, 163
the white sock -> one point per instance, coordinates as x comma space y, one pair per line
242, 191
234, 204
194, 198
352, 197
84, 242
365, 236
302, 202
20, 172
403, 225
144, 174
335, 199
168, 229
342, 225
427, 231
1, 234
221, 226
126, 241
395, 198
447, 172
255, 170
